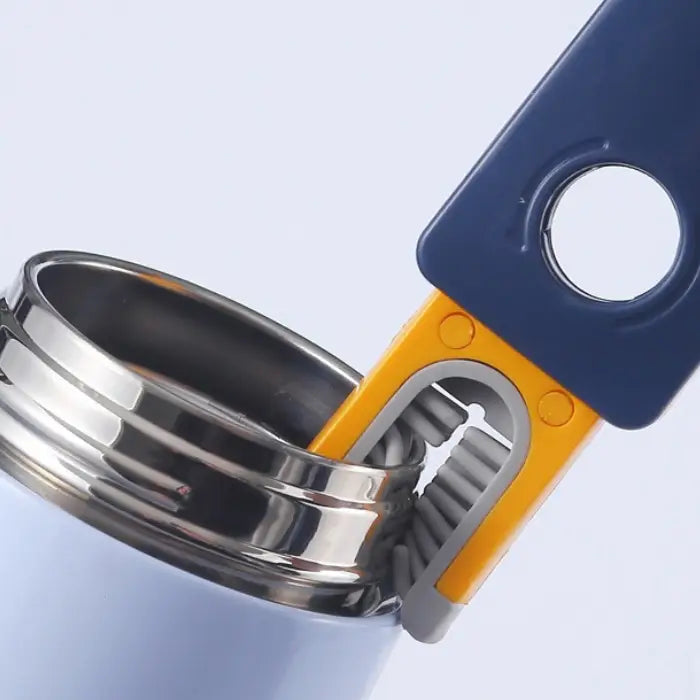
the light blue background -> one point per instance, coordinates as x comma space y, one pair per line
288, 155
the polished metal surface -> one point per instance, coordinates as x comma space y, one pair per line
175, 420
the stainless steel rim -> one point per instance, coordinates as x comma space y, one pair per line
174, 419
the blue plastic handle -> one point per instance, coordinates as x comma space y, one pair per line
626, 91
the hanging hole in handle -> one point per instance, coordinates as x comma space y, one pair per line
613, 234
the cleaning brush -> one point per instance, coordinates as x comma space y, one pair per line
507, 330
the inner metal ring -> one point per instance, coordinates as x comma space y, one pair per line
175, 420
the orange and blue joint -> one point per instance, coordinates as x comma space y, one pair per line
559, 425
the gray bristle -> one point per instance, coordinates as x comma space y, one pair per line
428, 513
452, 510
450, 414
434, 416
416, 562
472, 465
401, 569
457, 485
